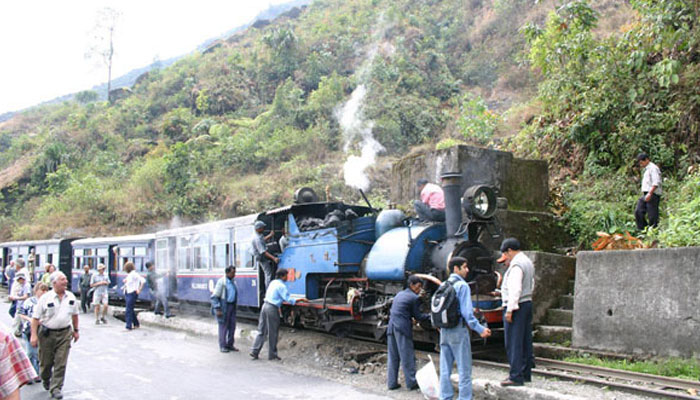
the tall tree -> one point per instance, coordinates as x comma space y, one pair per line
102, 40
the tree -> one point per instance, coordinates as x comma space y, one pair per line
102, 45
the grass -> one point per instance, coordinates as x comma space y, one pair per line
673, 367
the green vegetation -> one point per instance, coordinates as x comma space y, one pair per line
238, 128
674, 367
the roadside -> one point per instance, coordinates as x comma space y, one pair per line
363, 364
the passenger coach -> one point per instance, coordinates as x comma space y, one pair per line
52, 251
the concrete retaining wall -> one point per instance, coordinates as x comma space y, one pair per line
552, 274
639, 301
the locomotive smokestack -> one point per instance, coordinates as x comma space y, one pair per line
452, 187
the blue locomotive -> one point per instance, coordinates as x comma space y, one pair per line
348, 260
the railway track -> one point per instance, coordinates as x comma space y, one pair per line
632, 382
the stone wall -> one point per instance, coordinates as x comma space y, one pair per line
639, 301
523, 182
552, 275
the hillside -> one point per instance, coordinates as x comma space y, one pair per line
289, 102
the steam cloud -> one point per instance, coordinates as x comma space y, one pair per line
356, 129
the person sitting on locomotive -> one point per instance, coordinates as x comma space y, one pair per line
262, 256
431, 206
399, 334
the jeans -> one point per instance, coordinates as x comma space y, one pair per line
455, 346
160, 301
32, 354
426, 213
131, 320
518, 341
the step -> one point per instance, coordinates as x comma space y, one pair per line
560, 317
566, 302
553, 334
572, 284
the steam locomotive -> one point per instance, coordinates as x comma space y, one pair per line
348, 260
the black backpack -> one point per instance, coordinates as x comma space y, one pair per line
444, 306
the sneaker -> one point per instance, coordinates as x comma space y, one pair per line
224, 350
104, 321
97, 322
56, 394
253, 356
37, 379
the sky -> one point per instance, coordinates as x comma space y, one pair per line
43, 42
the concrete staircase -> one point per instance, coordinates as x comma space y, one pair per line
556, 332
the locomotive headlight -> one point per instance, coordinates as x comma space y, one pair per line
479, 201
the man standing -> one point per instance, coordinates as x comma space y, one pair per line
153, 279
516, 292
431, 206
85, 288
455, 343
262, 256
51, 329
21, 290
269, 320
399, 334
648, 204
99, 283
223, 303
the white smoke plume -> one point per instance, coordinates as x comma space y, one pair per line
357, 131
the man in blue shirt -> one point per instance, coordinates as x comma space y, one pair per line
399, 334
269, 321
223, 303
455, 343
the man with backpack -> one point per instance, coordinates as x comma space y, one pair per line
399, 334
452, 312
516, 291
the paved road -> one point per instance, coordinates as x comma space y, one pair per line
109, 362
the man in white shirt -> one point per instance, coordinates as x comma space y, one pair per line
516, 291
648, 204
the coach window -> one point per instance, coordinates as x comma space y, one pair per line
52, 257
24, 251
184, 253
40, 252
200, 250
125, 255
162, 254
102, 254
139, 256
77, 258
242, 245
220, 249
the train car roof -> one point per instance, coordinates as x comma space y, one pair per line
33, 242
115, 239
209, 226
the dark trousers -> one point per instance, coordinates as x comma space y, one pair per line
518, 341
53, 357
400, 350
227, 327
131, 320
426, 213
160, 301
647, 208
268, 325
84, 299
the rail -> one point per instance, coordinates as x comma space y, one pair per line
632, 382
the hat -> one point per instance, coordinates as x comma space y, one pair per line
101, 266
501, 259
510, 243
259, 225
21, 275
421, 182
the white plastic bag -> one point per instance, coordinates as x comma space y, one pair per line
428, 380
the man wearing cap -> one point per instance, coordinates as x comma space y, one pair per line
431, 206
99, 282
648, 204
516, 293
21, 291
51, 329
262, 256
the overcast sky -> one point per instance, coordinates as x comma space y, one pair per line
43, 42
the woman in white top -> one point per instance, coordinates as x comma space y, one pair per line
132, 287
